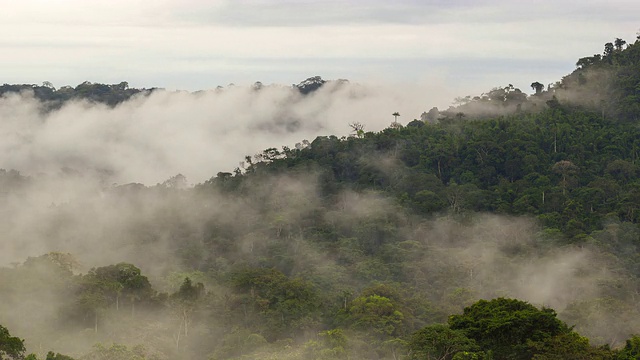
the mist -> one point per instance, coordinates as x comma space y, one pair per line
171, 232
65, 195
147, 139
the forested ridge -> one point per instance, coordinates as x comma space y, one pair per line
380, 245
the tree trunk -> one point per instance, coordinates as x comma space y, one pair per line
186, 323
177, 337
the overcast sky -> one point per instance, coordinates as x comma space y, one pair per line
471, 45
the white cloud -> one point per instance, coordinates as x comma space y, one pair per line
200, 44
149, 139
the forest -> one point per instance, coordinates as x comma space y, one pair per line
504, 227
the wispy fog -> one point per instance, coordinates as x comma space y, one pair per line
165, 231
150, 138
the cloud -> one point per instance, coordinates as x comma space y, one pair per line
73, 41
148, 139
451, 262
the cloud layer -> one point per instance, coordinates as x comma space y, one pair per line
150, 138
200, 44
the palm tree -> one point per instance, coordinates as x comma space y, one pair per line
358, 128
395, 116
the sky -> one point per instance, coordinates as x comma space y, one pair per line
468, 46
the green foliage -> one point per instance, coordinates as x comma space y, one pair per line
94, 92
535, 163
441, 342
631, 349
331, 344
376, 313
466, 355
110, 286
569, 346
505, 329
508, 327
273, 304
120, 352
237, 343
55, 356
11, 347
189, 293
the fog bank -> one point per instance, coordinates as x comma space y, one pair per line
150, 138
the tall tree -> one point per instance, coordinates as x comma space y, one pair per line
538, 87
508, 327
608, 49
185, 302
357, 128
619, 43
439, 342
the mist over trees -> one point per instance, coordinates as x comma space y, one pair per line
505, 227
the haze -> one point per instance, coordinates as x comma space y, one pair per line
149, 139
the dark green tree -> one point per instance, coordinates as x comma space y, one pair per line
184, 304
439, 342
11, 347
608, 50
619, 43
631, 350
55, 356
508, 328
538, 87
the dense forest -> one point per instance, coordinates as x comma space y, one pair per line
505, 227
